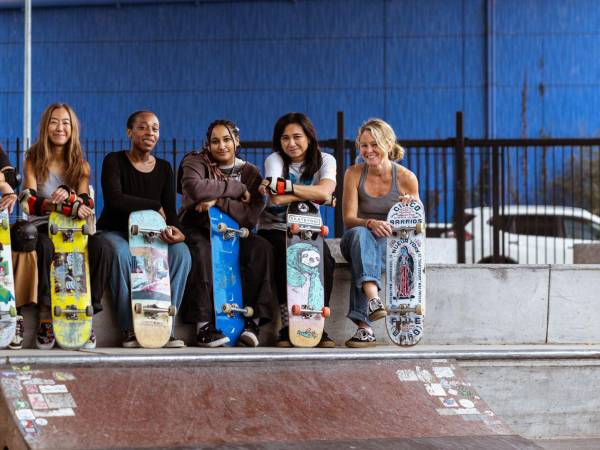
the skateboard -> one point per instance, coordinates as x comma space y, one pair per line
227, 281
305, 293
8, 307
405, 268
70, 281
150, 282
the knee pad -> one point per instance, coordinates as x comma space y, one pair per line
23, 236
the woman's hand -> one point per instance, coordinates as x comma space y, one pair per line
172, 235
379, 228
84, 211
59, 196
406, 198
246, 197
8, 201
204, 206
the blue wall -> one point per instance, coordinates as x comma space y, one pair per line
413, 62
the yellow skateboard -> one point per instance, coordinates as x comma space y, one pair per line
70, 281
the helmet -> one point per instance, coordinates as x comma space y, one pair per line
23, 236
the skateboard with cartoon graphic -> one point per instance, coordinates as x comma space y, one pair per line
70, 294
151, 306
8, 307
305, 291
230, 312
405, 269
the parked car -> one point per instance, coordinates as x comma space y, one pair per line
531, 234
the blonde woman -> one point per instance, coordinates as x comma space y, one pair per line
371, 188
56, 177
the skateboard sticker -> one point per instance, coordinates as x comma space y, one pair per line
69, 273
150, 275
304, 275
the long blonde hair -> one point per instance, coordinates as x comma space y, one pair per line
40, 153
385, 137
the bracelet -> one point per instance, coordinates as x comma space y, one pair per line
368, 224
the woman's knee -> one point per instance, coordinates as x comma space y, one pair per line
179, 256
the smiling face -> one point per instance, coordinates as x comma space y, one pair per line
144, 132
310, 258
370, 150
222, 145
294, 142
59, 127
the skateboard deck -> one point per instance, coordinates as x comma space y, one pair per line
405, 269
152, 311
227, 280
70, 281
8, 307
305, 292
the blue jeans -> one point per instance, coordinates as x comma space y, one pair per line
180, 264
366, 255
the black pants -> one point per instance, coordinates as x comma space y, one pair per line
100, 255
256, 267
277, 240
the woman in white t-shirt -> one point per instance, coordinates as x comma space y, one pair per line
296, 170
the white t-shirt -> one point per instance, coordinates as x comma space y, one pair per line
273, 217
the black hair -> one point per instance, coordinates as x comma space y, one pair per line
133, 116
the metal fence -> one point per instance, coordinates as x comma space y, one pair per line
517, 200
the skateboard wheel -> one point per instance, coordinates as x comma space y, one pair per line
324, 230
249, 311
85, 230
419, 310
57, 311
5, 224
12, 311
226, 308
221, 228
296, 310
53, 229
135, 229
138, 308
325, 312
244, 232
172, 310
419, 228
89, 310
294, 228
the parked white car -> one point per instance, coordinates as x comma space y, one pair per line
529, 234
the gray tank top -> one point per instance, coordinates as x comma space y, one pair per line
46, 189
370, 207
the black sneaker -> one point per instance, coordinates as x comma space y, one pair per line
209, 336
17, 342
361, 339
129, 340
45, 338
249, 336
326, 341
376, 309
283, 340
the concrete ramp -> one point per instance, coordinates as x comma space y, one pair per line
322, 404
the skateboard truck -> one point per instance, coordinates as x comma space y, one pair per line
229, 233
149, 235
403, 231
307, 233
12, 312
71, 312
67, 232
153, 309
230, 308
297, 310
405, 309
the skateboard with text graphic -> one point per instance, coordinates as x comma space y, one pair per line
70, 294
230, 312
405, 269
8, 307
305, 291
150, 282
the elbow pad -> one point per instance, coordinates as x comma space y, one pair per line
12, 177
87, 200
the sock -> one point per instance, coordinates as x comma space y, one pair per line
256, 321
200, 325
285, 318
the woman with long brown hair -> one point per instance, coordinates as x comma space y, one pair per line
56, 177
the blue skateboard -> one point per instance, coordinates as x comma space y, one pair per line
227, 281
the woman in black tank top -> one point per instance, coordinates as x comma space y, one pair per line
370, 189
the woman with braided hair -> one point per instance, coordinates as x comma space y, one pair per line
216, 177
56, 178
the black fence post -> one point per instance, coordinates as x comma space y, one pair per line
495, 203
339, 189
459, 189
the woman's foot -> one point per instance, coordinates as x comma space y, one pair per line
45, 338
362, 338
